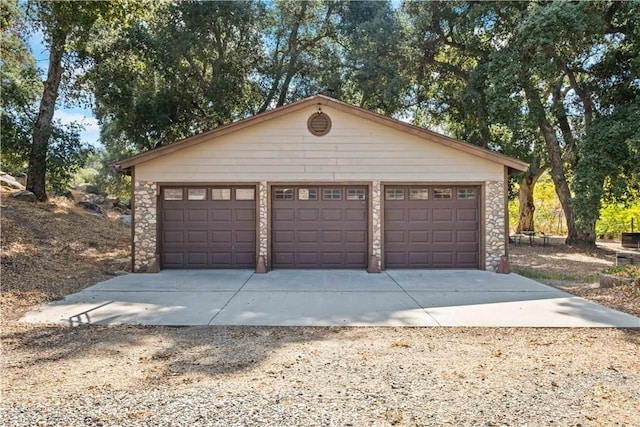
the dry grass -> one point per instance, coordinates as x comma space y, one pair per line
52, 249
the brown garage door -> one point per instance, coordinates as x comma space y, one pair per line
319, 227
208, 227
431, 227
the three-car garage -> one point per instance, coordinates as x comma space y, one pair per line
319, 184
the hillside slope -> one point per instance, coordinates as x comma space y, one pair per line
52, 249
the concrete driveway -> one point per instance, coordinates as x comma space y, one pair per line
328, 298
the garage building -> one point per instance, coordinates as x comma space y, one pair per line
319, 184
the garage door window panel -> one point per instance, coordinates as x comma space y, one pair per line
331, 194
245, 194
356, 194
305, 194
283, 194
197, 194
442, 193
466, 193
172, 194
418, 194
394, 194
221, 194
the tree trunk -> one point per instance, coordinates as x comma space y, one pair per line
36, 178
525, 197
576, 235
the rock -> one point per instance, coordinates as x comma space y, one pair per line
91, 207
94, 198
9, 181
610, 281
503, 267
127, 202
111, 199
63, 193
21, 178
125, 219
25, 195
123, 210
88, 188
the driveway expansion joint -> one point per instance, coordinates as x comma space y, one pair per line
230, 299
412, 298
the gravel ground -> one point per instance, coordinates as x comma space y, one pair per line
320, 376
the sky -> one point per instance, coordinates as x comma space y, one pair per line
84, 116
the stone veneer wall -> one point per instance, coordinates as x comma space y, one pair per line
263, 232
376, 216
144, 233
494, 224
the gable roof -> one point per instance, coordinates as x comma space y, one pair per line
316, 100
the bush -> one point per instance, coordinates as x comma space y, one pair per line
615, 218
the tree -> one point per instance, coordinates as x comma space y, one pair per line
20, 87
374, 48
458, 89
563, 49
490, 72
295, 33
181, 69
67, 27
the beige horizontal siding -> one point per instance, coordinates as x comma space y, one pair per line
282, 149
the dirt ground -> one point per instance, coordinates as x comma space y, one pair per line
129, 375
576, 271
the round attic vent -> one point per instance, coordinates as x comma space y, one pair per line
319, 124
